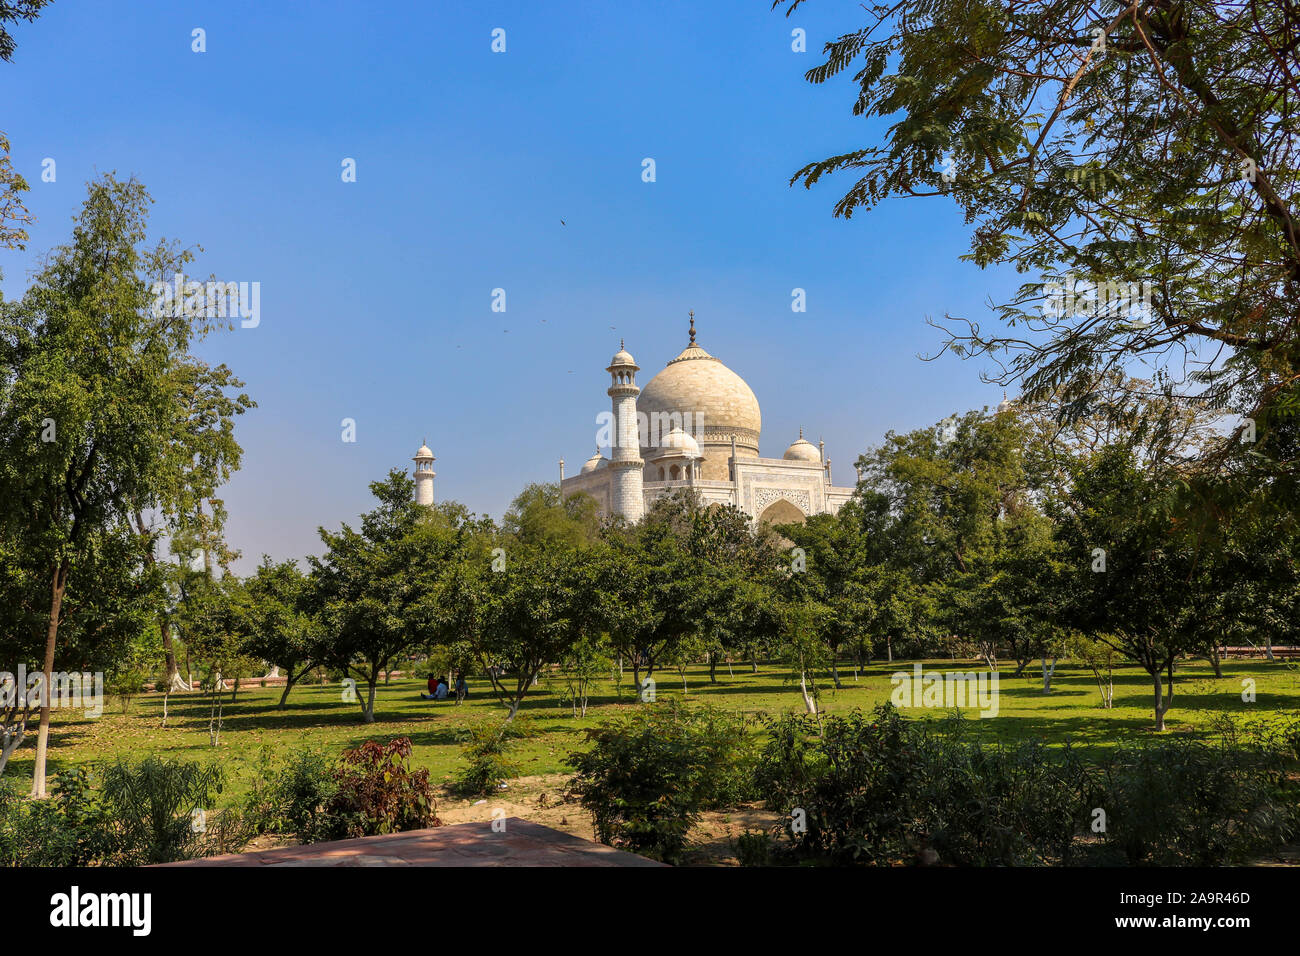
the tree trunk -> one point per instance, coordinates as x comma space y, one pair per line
808, 701
58, 585
169, 650
164, 625
835, 670
14, 736
889, 649
215, 712
1216, 659
1159, 708
1162, 701
368, 708
1047, 675
713, 668
288, 686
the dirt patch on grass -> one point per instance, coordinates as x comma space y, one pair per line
713, 838
540, 799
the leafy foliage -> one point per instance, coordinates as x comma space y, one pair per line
647, 776
1104, 145
875, 789
377, 792
161, 811
488, 761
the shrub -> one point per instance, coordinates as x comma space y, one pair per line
487, 748
648, 775
984, 806
755, 848
291, 798
1183, 802
70, 828
376, 792
874, 788
878, 789
161, 810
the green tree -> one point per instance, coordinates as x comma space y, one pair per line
1132, 568
834, 570
103, 616
1103, 148
201, 459
540, 517
11, 11
280, 628
372, 590
537, 610
88, 411
13, 212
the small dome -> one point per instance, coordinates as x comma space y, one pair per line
593, 463
424, 452
802, 450
678, 444
622, 357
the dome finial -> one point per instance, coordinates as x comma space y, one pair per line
620, 343
801, 431
692, 315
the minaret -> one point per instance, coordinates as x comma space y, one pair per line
626, 495
561, 471
424, 475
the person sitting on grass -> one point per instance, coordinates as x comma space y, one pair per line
441, 692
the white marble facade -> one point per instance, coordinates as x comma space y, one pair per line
698, 427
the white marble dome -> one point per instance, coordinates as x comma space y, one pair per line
593, 463
697, 383
622, 357
802, 450
678, 444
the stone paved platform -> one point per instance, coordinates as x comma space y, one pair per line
463, 844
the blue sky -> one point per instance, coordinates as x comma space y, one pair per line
376, 295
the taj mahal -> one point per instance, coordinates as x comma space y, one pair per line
696, 425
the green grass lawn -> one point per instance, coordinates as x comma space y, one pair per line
317, 718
